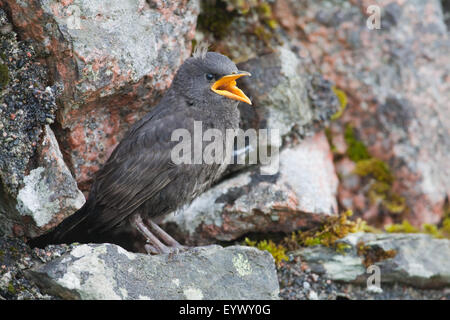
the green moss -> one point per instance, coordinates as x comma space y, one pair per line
265, 14
217, 15
262, 33
264, 10
342, 97
376, 168
333, 229
404, 227
342, 247
329, 136
381, 189
431, 229
272, 23
394, 203
356, 150
277, 251
445, 224
378, 191
370, 229
215, 18
11, 288
4, 75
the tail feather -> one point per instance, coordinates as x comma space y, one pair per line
42, 240
68, 231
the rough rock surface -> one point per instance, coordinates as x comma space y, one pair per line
397, 82
286, 89
299, 282
114, 60
301, 194
419, 260
49, 193
35, 181
284, 95
15, 258
26, 104
108, 272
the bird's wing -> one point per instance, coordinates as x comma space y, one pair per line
138, 169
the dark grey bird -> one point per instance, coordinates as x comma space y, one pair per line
140, 181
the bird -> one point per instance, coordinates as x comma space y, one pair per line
140, 183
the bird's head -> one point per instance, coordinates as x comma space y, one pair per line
210, 78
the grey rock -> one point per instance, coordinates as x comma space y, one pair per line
398, 101
420, 260
106, 271
35, 181
25, 102
288, 99
15, 257
284, 93
115, 62
49, 190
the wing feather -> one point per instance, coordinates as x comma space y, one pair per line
138, 169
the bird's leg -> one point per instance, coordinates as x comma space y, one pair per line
154, 246
164, 235
150, 249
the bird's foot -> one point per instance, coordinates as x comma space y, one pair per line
154, 245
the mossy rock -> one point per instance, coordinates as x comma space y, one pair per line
333, 229
373, 254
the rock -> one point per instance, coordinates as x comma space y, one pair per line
50, 193
398, 100
288, 102
107, 271
284, 95
446, 11
35, 181
418, 260
286, 90
300, 195
115, 62
26, 101
47, 196
15, 257
293, 275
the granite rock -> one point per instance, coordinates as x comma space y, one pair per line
106, 271
114, 61
397, 82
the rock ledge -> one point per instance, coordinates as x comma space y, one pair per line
106, 271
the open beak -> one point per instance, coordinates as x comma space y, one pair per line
226, 86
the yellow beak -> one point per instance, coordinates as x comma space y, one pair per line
226, 86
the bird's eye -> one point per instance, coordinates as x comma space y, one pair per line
209, 76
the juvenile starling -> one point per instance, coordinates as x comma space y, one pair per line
140, 182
